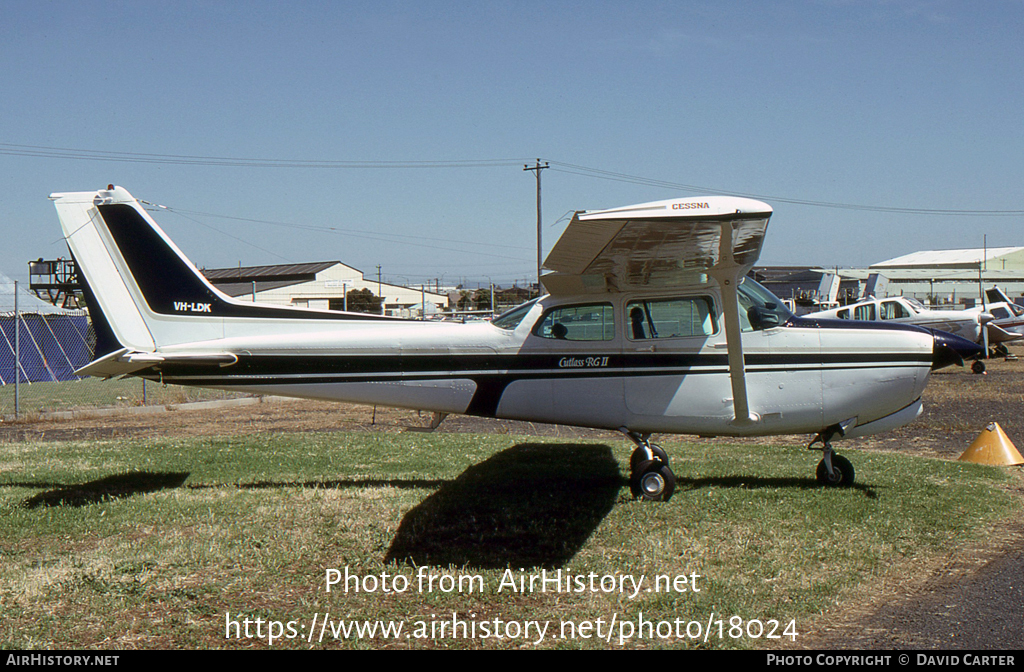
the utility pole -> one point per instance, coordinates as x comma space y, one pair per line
379, 291
536, 169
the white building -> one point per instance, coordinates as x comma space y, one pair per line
950, 276
932, 276
319, 285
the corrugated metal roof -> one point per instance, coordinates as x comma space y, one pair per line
297, 272
788, 273
948, 257
245, 288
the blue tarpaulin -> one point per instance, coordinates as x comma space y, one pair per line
52, 347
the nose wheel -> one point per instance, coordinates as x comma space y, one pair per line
834, 470
650, 477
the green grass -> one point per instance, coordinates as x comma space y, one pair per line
35, 398
150, 544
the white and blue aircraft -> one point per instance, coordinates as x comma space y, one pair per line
649, 325
971, 324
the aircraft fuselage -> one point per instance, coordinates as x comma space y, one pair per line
800, 376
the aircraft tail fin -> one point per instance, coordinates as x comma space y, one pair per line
139, 286
996, 295
142, 291
113, 306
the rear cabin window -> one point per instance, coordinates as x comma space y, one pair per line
670, 318
592, 322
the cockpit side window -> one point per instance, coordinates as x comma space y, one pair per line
671, 318
590, 322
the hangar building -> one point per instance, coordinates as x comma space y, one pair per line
319, 285
951, 276
933, 276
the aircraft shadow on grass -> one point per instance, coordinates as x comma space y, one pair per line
533, 505
106, 489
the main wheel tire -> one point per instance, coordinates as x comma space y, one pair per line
639, 455
652, 481
842, 473
978, 366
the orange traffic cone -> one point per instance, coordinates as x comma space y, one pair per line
993, 447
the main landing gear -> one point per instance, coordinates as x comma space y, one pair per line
833, 470
650, 478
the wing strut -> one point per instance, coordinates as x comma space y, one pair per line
728, 274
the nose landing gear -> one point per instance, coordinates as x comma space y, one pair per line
833, 470
650, 477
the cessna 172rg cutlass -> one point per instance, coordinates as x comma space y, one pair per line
650, 325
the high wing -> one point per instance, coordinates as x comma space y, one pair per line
666, 244
662, 244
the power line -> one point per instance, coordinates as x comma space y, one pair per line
379, 235
225, 233
417, 241
235, 162
635, 179
68, 153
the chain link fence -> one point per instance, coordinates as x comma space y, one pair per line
41, 347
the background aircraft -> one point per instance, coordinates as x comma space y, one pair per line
965, 323
1008, 318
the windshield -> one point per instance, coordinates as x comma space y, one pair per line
915, 303
511, 319
759, 308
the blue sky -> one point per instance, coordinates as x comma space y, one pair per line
878, 103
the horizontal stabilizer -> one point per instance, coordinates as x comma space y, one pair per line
124, 362
997, 334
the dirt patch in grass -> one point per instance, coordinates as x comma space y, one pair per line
273, 415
